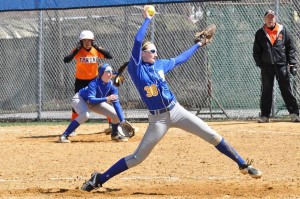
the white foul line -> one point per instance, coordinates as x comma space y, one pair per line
133, 178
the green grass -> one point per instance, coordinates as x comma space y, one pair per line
44, 123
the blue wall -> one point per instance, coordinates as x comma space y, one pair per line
14, 5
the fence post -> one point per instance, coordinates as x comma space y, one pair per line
40, 63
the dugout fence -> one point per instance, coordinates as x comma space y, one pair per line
219, 81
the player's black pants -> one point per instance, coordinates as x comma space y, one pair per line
268, 73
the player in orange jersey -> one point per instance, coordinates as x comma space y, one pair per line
86, 54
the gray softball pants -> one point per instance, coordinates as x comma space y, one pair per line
178, 117
83, 108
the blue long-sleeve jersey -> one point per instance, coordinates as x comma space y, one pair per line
97, 91
149, 79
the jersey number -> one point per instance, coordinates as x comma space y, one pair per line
151, 90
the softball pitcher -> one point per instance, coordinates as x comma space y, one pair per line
148, 75
86, 54
97, 97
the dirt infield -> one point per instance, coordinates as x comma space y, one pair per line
34, 165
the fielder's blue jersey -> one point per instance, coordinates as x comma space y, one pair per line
149, 79
97, 91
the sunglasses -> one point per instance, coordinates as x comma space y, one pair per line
150, 51
108, 71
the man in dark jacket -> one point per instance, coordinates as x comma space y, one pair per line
274, 53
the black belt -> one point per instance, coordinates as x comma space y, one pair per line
163, 110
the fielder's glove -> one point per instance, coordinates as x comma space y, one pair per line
127, 128
205, 36
293, 70
119, 80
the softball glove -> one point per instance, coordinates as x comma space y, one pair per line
205, 36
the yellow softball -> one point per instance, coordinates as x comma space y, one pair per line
151, 10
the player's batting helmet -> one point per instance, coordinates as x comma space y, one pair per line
86, 34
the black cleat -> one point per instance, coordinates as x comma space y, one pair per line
248, 169
92, 183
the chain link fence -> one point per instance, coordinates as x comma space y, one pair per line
219, 81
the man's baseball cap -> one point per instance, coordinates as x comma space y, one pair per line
269, 12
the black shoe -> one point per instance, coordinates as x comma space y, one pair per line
248, 169
92, 183
119, 137
295, 118
263, 120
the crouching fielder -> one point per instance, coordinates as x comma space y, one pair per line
165, 112
97, 97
